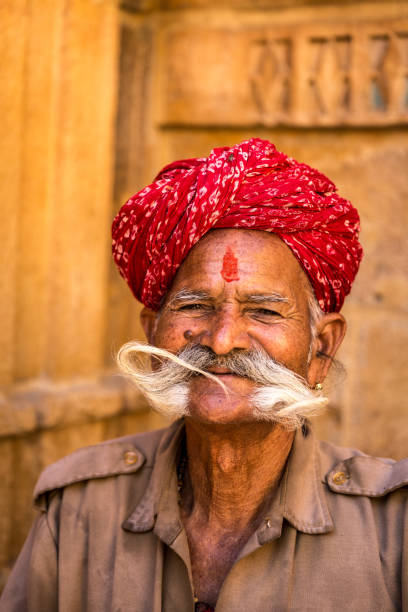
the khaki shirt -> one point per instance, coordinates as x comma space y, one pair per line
109, 537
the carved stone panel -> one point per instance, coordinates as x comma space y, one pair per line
302, 75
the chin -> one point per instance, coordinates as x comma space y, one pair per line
208, 403
217, 409
221, 418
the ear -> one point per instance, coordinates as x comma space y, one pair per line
148, 319
329, 335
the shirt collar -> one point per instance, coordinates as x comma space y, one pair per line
158, 508
302, 492
300, 498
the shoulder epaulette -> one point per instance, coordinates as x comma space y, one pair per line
370, 476
110, 458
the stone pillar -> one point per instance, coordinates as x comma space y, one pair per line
58, 107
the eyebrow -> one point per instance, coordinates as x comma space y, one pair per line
262, 298
187, 295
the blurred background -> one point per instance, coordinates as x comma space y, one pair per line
96, 96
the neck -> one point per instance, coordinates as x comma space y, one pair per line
232, 472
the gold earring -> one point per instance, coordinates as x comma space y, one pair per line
318, 387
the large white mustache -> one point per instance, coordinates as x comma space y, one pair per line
280, 396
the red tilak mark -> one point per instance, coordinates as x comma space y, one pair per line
229, 270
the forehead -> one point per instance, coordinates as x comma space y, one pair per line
261, 262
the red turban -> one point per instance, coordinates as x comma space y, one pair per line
250, 185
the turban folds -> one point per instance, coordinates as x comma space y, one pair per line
250, 185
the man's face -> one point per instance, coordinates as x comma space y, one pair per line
236, 290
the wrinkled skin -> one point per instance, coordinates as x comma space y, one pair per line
227, 320
234, 462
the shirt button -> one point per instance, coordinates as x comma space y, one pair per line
339, 478
130, 457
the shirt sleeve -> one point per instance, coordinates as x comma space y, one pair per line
32, 585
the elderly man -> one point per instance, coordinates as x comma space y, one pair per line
242, 261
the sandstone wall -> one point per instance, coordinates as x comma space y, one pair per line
96, 98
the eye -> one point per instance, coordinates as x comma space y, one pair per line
265, 313
191, 307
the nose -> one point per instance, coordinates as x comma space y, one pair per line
226, 332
